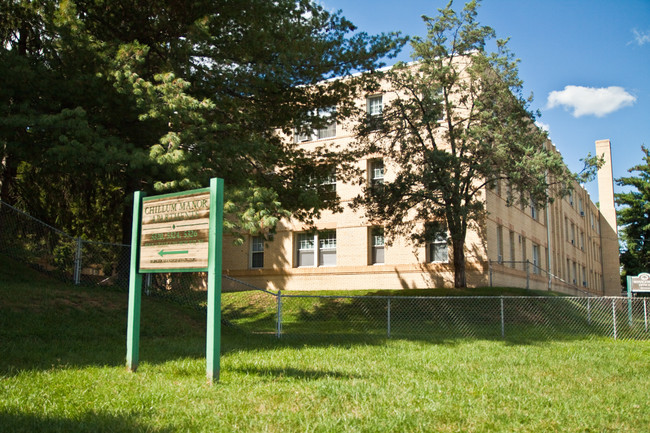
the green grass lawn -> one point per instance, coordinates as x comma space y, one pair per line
62, 369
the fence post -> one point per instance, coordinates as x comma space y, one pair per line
503, 321
278, 331
77, 263
645, 315
614, 316
527, 275
388, 318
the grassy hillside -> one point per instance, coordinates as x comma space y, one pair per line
62, 369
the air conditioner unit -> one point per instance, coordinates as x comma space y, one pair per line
573, 242
582, 213
574, 281
584, 284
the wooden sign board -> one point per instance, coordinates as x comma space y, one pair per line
174, 232
180, 232
640, 283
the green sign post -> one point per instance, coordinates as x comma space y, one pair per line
178, 232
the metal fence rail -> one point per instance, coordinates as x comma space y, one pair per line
308, 316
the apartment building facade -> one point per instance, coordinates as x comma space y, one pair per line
568, 246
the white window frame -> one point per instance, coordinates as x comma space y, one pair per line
536, 259
435, 247
256, 249
326, 248
376, 171
328, 131
377, 245
533, 210
322, 246
513, 249
375, 105
500, 244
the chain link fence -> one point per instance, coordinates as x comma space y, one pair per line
311, 317
54, 252
368, 318
531, 276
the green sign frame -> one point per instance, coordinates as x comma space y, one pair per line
170, 221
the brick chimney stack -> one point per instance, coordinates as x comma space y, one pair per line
608, 226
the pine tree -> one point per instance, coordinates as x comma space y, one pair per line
104, 98
634, 218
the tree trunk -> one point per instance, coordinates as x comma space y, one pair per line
7, 175
460, 277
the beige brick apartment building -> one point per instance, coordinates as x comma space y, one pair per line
570, 246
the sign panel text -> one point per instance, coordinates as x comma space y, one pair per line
175, 232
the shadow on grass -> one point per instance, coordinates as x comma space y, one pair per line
296, 373
45, 324
88, 423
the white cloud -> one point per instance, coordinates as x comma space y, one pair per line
543, 126
590, 101
641, 38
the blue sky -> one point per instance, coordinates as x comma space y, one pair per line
587, 63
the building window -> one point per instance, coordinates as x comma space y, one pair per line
499, 244
328, 187
566, 229
580, 208
316, 249
374, 108
328, 116
306, 243
329, 130
257, 252
375, 105
438, 249
575, 273
512, 249
533, 210
536, 261
327, 248
376, 168
377, 245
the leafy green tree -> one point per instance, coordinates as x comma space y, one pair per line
455, 122
107, 97
634, 218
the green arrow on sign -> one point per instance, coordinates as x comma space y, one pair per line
162, 253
